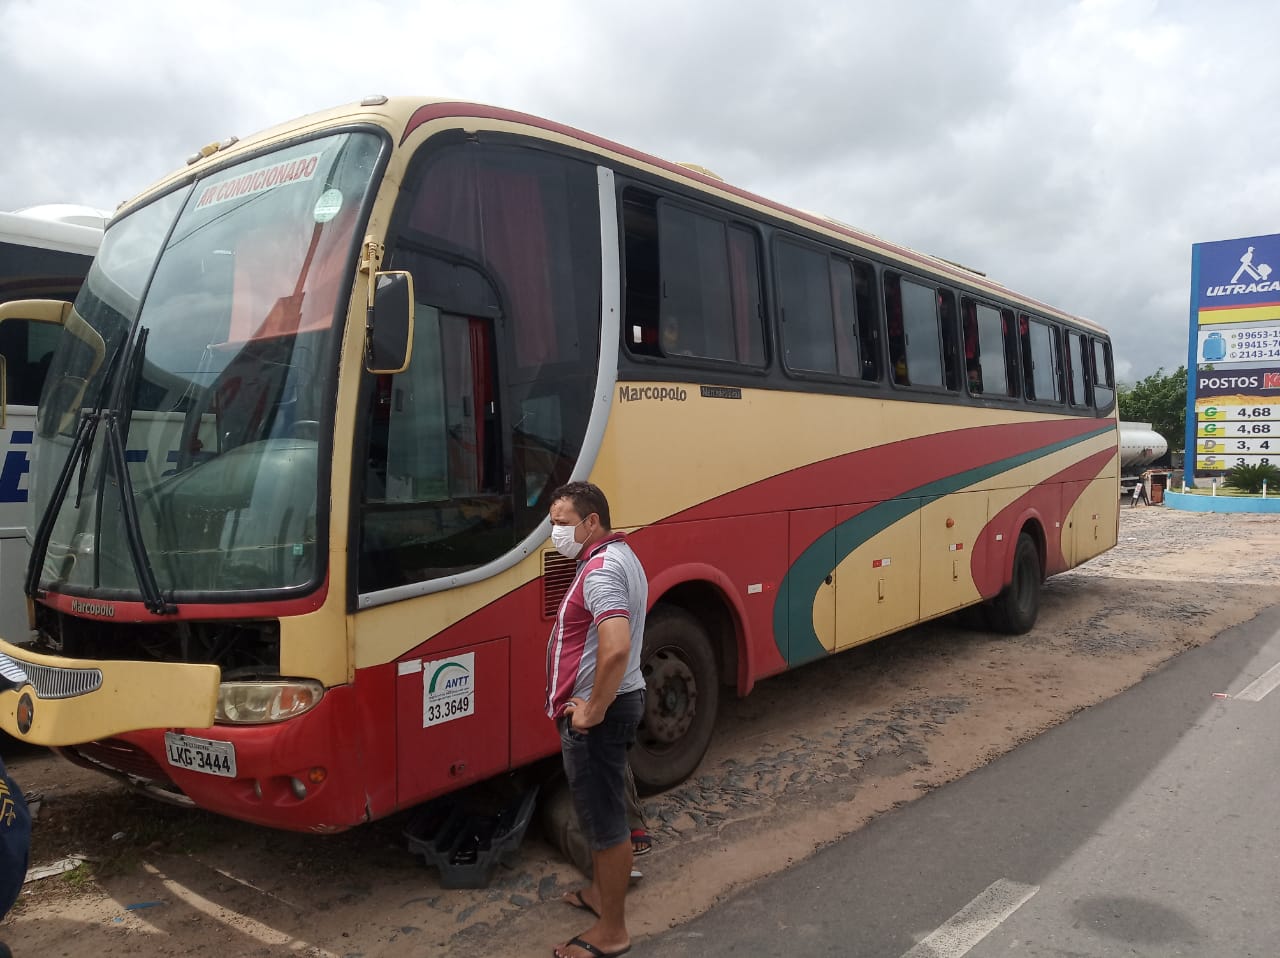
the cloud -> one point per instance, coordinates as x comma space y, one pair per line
1072, 150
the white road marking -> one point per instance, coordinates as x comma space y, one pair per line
243, 924
1257, 690
974, 921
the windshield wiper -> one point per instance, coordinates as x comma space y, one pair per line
152, 597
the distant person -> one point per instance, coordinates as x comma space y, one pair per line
975, 380
595, 695
15, 845
565, 831
671, 338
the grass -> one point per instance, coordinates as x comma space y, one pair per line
78, 878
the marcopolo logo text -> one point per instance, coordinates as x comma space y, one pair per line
93, 608
657, 393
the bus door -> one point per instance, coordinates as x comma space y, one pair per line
877, 591
949, 528
436, 505
812, 542
1091, 519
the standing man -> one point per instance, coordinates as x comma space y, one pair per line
595, 694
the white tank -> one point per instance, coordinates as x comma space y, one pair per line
1140, 445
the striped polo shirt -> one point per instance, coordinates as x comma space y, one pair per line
610, 582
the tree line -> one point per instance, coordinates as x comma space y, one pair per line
1160, 399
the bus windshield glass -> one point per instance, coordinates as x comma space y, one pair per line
194, 383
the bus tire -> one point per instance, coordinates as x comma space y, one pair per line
682, 693
1015, 609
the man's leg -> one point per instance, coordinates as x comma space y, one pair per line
612, 879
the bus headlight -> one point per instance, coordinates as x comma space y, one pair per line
257, 703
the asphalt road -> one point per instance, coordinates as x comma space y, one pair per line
1143, 826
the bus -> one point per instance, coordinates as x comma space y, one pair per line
45, 252
361, 350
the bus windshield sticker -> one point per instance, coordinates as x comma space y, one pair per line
448, 689
327, 205
257, 181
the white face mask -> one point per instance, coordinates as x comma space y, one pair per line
562, 537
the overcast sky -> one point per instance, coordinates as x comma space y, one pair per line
1071, 150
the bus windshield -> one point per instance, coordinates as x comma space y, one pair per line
180, 423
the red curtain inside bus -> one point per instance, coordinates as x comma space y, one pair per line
496, 213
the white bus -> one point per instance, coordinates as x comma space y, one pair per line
45, 252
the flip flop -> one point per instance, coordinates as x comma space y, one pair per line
576, 942
641, 842
575, 899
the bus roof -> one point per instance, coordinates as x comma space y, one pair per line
65, 228
402, 115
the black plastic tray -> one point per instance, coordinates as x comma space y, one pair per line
465, 846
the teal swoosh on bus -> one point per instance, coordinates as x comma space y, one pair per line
793, 610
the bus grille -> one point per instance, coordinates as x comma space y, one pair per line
52, 682
114, 755
557, 576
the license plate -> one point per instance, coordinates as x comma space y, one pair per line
201, 754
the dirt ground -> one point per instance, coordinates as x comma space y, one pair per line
807, 758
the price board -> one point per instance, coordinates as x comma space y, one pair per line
1239, 412
1233, 385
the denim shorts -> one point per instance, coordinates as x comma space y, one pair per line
595, 762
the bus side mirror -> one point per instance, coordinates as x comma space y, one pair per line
388, 343
30, 310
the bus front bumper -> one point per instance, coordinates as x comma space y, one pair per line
50, 700
307, 773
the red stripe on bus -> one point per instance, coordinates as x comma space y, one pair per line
873, 475
1049, 502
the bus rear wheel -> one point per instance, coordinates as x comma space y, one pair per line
1015, 609
682, 693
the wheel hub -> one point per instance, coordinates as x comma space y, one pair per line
672, 697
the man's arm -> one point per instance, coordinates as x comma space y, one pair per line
611, 665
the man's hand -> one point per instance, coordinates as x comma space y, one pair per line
581, 715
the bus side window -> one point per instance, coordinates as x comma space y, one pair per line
810, 297
972, 347
1041, 360
915, 341
1104, 385
950, 341
1077, 357
864, 282
1012, 371
897, 334
640, 266
692, 283
1028, 362
27, 348
985, 359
